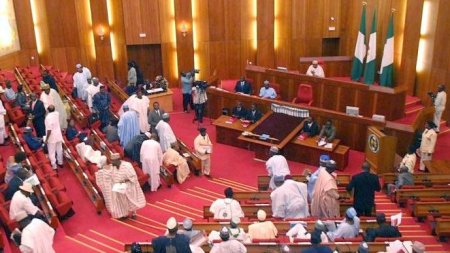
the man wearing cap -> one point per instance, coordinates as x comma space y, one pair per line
35, 235
384, 229
91, 90
51, 97
243, 86
267, 92
21, 202
80, 80
120, 187
315, 69
203, 148
439, 105
172, 158
264, 230
15, 182
37, 115
428, 144
325, 200
155, 116
227, 245
276, 166
47, 78
226, 208
101, 102
133, 148
54, 137
140, 104
33, 142
151, 157
349, 227
312, 178
409, 160
418, 247
128, 126
165, 132
173, 242
236, 232
299, 231
196, 237
364, 185
315, 245
289, 199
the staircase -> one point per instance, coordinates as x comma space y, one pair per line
413, 105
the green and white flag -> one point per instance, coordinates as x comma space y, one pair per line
371, 64
360, 49
387, 63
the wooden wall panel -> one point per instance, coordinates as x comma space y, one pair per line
117, 27
283, 32
331, 18
265, 54
185, 44
87, 55
141, 16
168, 42
148, 57
24, 21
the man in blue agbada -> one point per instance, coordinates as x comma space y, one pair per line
128, 126
101, 102
313, 177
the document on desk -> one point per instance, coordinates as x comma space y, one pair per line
120, 188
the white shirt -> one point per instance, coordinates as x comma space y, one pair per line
277, 166
440, 101
52, 123
226, 208
318, 71
409, 161
37, 237
79, 80
290, 200
165, 134
19, 203
87, 73
140, 105
230, 246
91, 90
267, 93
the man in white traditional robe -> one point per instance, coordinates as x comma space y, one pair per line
91, 90
226, 208
165, 133
409, 160
128, 126
51, 97
54, 137
299, 231
439, 105
276, 166
315, 70
289, 199
80, 79
428, 144
36, 236
348, 228
264, 230
140, 104
87, 153
227, 245
151, 159
312, 178
21, 202
3, 133
203, 148
118, 182
172, 157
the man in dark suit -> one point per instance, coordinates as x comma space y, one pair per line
243, 86
364, 185
310, 128
155, 116
239, 111
384, 230
37, 114
316, 246
254, 114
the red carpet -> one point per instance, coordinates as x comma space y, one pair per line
87, 231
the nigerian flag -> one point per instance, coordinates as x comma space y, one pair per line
360, 49
387, 63
369, 71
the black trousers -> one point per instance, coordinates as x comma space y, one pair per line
187, 100
364, 210
199, 110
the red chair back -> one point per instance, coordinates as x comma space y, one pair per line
304, 94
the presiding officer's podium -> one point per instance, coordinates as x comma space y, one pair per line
380, 150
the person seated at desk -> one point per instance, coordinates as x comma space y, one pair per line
243, 86
310, 128
328, 132
161, 82
33, 142
239, 111
267, 91
315, 70
254, 114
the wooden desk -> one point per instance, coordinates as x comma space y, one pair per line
228, 132
422, 209
260, 147
297, 149
352, 131
426, 179
165, 100
335, 94
438, 166
402, 195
